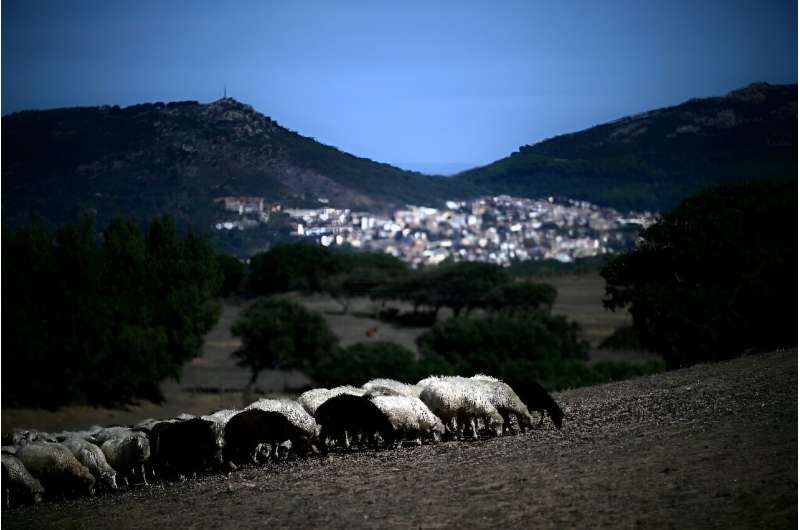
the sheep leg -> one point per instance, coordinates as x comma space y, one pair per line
144, 477
520, 423
541, 420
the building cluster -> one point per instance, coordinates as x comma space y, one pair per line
497, 229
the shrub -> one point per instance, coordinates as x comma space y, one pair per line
715, 277
486, 344
357, 364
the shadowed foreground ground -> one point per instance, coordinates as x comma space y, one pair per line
710, 446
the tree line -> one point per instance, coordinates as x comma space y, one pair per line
102, 318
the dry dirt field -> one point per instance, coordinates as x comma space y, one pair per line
712, 446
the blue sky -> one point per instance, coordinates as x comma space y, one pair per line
426, 85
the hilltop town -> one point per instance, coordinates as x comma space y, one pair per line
499, 229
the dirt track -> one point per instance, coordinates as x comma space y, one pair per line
711, 446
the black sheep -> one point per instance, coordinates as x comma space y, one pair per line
345, 415
253, 435
181, 447
536, 398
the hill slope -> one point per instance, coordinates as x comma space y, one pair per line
654, 159
712, 446
178, 157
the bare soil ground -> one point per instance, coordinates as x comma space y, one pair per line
712, 446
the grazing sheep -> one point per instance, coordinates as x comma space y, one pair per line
59, 472
127, 451
93, 458
19, 486
293, 411
220, 419
505, 400
106, 433
457, 400
409, 417
25, 436
255, 435
179, 447
346, 415
539, 400
312, 399
390, 387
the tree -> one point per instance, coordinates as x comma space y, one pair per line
292, 267
715, 277
521, 297
363, 361
102, 319
281, 334
518, 349
233, 274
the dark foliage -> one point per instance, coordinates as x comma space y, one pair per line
716, 277
363, 361
106, 321
233, 274
309, 267
513, 348
623, 338
521, 297
460, 286
281, 334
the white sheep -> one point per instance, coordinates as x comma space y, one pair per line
458, 401
390, 387
293, 411
93, 458
505, 400
312, 399
409, 417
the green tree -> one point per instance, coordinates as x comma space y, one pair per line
102, 319
363, 361
521, 297
281, 334
233, 274
715, 277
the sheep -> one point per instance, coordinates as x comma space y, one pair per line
254, 435
220, 419
312, 399
536, 398
348, 415
93, 458
409, 416
389, 387
127, 451
56, 468
294, 412
25, 436
505, 400
540, 401
19, 486
458, 400
179, 447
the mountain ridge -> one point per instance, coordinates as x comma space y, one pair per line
652, 159
179, 157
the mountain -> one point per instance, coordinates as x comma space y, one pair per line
654, 159
178, 157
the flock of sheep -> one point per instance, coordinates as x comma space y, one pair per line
383, 411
